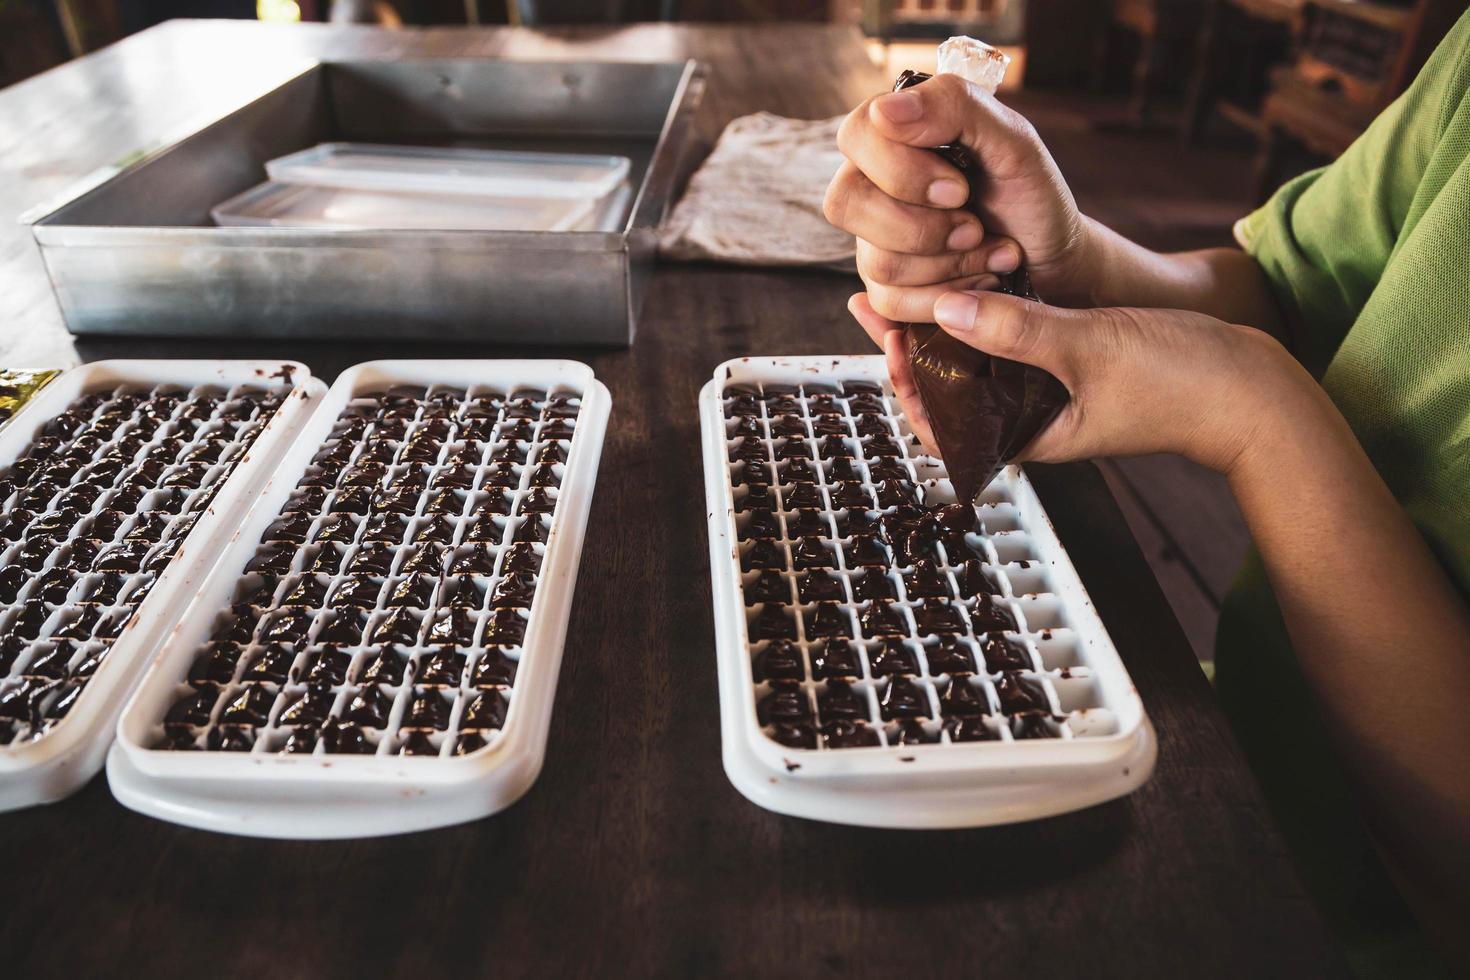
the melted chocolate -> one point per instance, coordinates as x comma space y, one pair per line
848, 734
271, 664
780, 660
399, 626
987, 615
950, 655
836, 658
385, 666
486, 710
494, 668
969, 728
417, 590
774, 622
806, 523
1002, 654
346, 739
962, 698
836, 699
505, 627
427, 709
882, 618
453, 627
417, 742
786, 703
1019, 694
936, 616
443, 668
827, 620
903, 698
326, 665
893, 657
516, 589
1032, 725
311, 708
811, 587
248, 705
369, 707
358, 591
911, 731
795, 735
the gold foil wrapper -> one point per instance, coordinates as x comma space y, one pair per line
19, 385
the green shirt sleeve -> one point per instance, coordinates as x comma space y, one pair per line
1325, 237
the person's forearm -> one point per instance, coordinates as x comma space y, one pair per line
1221, 282
1381, 634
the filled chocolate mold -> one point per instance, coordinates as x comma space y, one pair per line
874, 634
878, 611
95, 508
385, 608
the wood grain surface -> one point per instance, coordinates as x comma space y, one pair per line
633, 855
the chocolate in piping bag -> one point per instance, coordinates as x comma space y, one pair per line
983, 410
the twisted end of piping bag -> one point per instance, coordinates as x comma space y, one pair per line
982, 409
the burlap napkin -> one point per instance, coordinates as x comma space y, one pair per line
757, 199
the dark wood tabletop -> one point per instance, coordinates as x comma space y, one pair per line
632, 854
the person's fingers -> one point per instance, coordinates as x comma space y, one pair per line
915, 304
900, 375
889, 337
909, 173
856, 205
948, 109
996, 255
874, 324
1060, 341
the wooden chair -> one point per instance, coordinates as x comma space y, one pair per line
1162, 27
1240, 41
1353, 58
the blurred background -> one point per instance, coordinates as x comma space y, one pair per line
1169, 118
1295, 79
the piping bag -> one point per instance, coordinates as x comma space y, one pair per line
983, 410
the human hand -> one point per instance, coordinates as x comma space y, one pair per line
1142, 381
917, 239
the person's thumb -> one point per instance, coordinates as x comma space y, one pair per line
948, 109
1057, 340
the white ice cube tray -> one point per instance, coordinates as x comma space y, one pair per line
485, 728
173, 482
1088, 739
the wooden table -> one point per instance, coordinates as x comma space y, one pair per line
632, 854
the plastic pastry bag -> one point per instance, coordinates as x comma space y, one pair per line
982, 409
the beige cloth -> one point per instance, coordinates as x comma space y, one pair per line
757, 199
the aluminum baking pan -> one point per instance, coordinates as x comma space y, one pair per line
136, 253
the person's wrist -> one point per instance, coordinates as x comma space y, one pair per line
1274, 407
1079, 280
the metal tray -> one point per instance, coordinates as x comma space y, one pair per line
135, 252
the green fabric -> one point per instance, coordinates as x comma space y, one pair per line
1370, 261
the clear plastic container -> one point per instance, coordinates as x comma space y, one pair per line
299, 205
448, 170
369, 186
